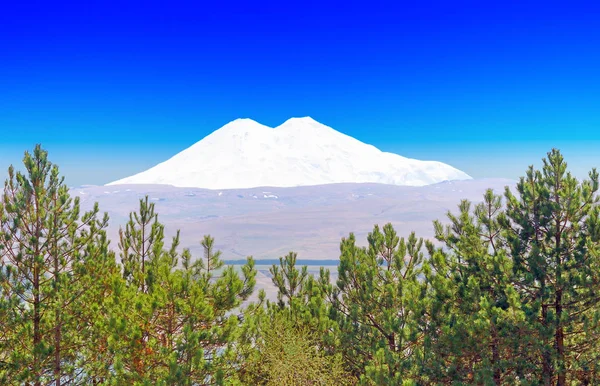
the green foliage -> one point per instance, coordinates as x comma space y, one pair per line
506, 294
377, 303
290, 355
300, 296
288, 279
552, 228
49, 255
477, 328
175, 324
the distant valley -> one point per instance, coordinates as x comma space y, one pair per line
268, 222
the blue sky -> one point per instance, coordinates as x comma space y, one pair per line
111, 89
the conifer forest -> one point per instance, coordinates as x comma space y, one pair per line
506, 293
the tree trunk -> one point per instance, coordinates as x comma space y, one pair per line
57, 348
57, 324
559, 341
37, 318
559, 332
392, 342
496, 357
144, 258
547, 371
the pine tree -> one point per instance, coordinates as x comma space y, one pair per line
46, 248
141, 245
205, 350
302, 300
175, 325
553, 228
290, 342
378, 305
476, 332
288, 279
96, 313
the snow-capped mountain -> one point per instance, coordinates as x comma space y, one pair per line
299, 152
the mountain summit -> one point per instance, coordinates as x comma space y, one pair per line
301, 151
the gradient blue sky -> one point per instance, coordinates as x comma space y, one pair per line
112, 88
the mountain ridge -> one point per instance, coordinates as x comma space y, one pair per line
300, 152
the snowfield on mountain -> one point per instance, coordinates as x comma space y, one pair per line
299, 152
